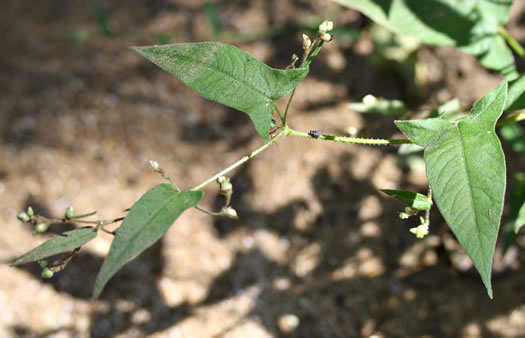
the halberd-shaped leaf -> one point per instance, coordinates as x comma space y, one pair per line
227, 75
68, 241
148, 219
410, 198
466, 170
470, 25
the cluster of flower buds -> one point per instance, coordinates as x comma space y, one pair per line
422, 229
28, 216
324, 28
46, 272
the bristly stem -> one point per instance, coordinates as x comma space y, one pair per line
511, 41
352, 140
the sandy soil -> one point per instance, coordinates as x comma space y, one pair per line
318, 251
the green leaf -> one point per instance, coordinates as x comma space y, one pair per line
466, 170
227, 75
67, 241
412, 199
470, 25
147, 221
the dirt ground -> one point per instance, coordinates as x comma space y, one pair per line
318, 250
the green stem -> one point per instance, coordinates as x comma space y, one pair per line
288, 106
344, 139
511, 41
208, 212
283, 119
242, 160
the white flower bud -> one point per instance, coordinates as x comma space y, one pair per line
369, 100
231, 213
154, 165
326, 26
326, 37
307, 42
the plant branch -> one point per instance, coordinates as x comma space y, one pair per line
511, 41
344, 139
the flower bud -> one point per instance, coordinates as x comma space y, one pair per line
30, 211
326, 26
221, 179
307, 42
40, 228
326, 37
154, 165
369, 99
43, 263
403, 215
23, 216
226, 187
47, 273
70, 212
231, 213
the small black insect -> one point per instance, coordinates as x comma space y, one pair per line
314, 133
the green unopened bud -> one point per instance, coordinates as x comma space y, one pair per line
43, 263
231, 213
403, 215
326, 26
40, 228
326, 37
221, 179
70, 212
23, 216
30, 211
47, 273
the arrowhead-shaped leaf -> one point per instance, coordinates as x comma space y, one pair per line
466, 170
68, 241
147, 221
227, 75
410, 198
469, 25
